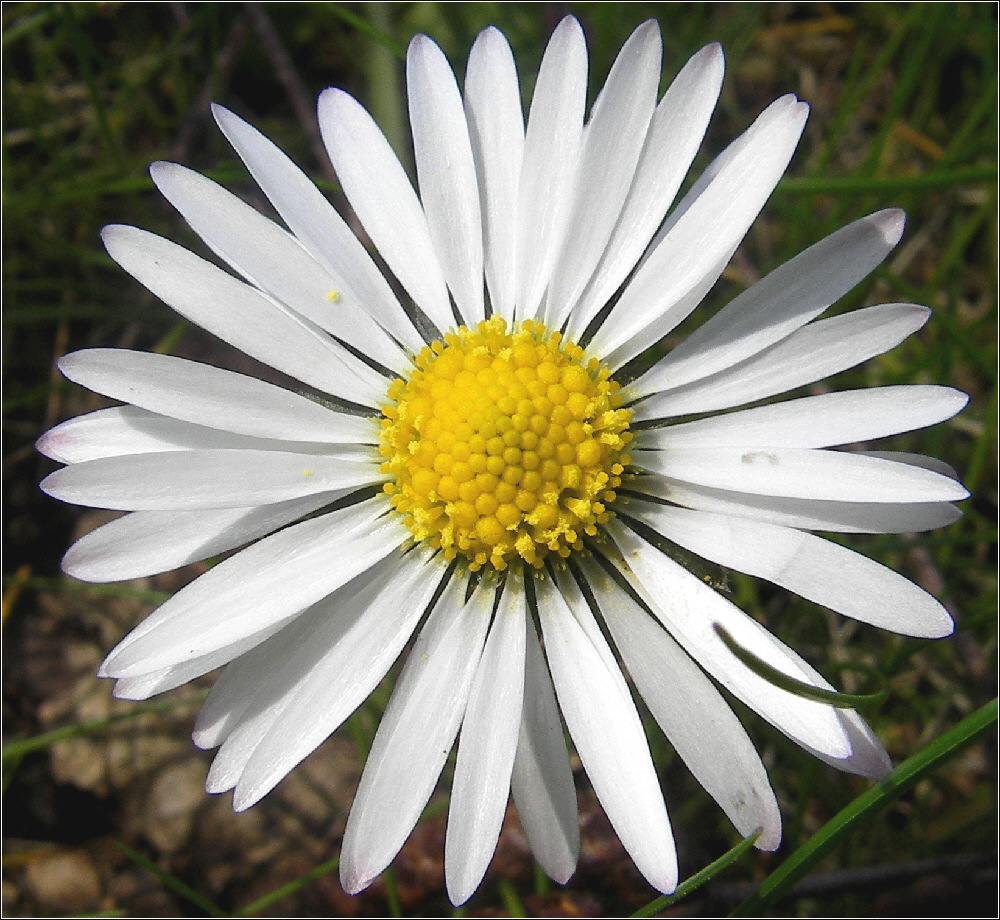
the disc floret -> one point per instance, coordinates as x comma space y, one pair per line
504, 445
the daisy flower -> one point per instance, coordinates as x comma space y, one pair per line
472, 463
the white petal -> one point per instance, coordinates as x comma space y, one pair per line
148, 542
688, 260
123, 430
818, 570
206, 395
805, 514
690, 609
415, 734
802, 473
317, 225
267, 582
580, 608
777, 305
241, 316
675, 133
817, 421
246, 696
273, 260
486, 750
190, 480
446, 174
868, 757
336, 665
384, 200
696, 719
816, 351
609, 738
918, 460
542, 781
146, 685
496, 130
551, 153
612, 143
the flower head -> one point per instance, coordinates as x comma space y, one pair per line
484, 469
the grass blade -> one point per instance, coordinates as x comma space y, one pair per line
865, 806
172, 882
284, 891
697, 880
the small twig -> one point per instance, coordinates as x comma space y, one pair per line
963, 867
288, 76
218, 77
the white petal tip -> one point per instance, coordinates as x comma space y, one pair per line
332, 99
67, 363
419, 44
106, 670
891, 222
203, 740
111, 667
875, 768
352, 881
711, 56
458, 896
50, 485
163, 172
45, 447
646, 28
665, 882
109, 232
560, 874
568, 24
117, 236
222, 114
246, 798
216, 784
769, 839
79, 571
939, 627
124, 690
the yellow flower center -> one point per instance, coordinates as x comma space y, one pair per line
504, 445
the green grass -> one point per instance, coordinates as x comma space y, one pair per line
904, 114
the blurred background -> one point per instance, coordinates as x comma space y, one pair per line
109, 816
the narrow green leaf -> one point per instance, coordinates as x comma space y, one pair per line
800, 688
